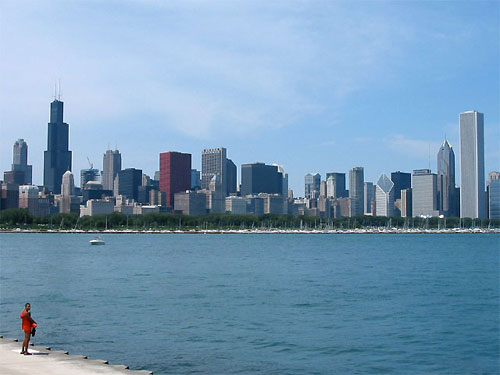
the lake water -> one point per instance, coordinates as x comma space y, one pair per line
261, 304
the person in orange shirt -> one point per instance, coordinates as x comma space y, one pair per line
27, 324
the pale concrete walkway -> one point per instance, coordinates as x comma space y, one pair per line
47, 362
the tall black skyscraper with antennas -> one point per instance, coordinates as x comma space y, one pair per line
57, 158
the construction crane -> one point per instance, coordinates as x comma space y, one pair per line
91, 164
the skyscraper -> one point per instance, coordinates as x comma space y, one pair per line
356, 190
284, 181
335, 185
67, 201
261, 178
232, 176
195, 179
369, 197
424, 193
20, 161
175, 174
384, 196
111, 165
494, 199
68, 184
472, 196
406, 203
57, 158
312, 184
401, 180
446, 179
127, 183
214, 162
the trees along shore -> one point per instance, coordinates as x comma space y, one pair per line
22, 218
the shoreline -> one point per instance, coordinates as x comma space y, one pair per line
380, 230
45, 361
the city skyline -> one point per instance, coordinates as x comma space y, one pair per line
385, 94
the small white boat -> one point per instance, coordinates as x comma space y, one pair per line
97, 241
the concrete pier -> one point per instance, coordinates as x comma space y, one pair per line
53, 362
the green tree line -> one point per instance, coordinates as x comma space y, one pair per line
22, 218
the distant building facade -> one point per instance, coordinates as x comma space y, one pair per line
127, 182
424, 192
384, 196
236, 205
195, 179
57, 158
175, 174
369, 198
261, 178
232, 177
447, 202
68, 184
111, 165
401, 180
335, 185
20, 161
87, 175
10, 195
214, 162
494, 199
356, 191
472, 196
406, 203
190, 202
312, 185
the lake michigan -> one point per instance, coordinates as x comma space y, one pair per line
261, 303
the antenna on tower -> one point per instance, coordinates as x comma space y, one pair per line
59, 93
55, 90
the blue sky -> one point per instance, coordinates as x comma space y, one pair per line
317, 87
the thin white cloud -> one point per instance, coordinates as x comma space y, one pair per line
419, 148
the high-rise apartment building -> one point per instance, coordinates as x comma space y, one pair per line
175, 174
261, 178
472, 193
312, 184
384, 196
424, 192
335, 185
57, 158
20, 161
214, 162
446, 180
111, 165
356, 191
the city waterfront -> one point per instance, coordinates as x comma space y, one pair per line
259, 303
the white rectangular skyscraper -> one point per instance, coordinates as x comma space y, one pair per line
424, 191
472, 193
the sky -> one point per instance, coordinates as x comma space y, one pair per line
316, 87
